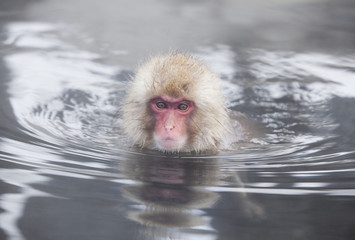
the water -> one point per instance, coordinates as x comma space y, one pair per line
67, 172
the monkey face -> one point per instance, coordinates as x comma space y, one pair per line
175, 104
171, 117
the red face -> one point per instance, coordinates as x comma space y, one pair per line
171, 116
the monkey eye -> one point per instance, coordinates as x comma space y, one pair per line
183, 107
161, 105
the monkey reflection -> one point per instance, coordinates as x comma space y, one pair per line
169, 188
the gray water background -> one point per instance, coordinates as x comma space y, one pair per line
66, 171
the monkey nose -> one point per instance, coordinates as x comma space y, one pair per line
169, 127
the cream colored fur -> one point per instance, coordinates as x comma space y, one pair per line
177, 75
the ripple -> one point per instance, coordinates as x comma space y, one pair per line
67, 103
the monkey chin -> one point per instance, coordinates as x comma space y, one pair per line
169, 144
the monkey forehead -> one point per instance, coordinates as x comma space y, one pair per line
171, 100
177, 76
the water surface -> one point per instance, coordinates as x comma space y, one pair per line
67, 171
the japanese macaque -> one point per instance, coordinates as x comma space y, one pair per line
175, 104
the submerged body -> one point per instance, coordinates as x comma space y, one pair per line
175, 104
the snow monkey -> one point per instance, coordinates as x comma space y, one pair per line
175, 104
